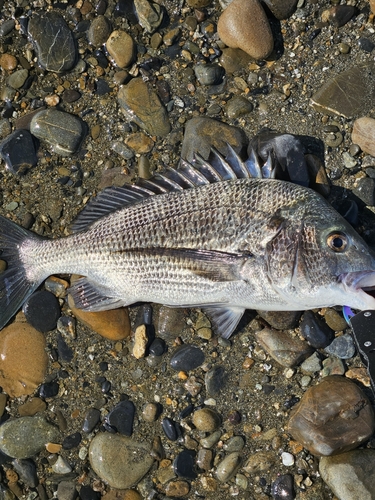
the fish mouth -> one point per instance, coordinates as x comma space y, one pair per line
360, 287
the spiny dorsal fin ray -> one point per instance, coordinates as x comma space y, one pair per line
216, 169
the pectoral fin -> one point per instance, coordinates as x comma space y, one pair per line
224, 319
92, 297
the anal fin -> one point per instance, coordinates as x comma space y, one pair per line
92, 297
224, 319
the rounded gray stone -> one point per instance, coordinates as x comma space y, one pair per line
119, 460
18, 78
228, 467
24, 437
62, 130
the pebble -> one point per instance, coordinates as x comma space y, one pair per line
228, 467
18, 151
61, 466
235, 443
45, 31
92, 418
150, 412
202, 133
332, 417
283, 488
335, 320
287, 459
350, 475
150, 14
171, 428
339, 15
210, 441
365, 190
204, 459
121, 418
281, 320
234, 60
215, 380
66, 490
26, 436
23, 359
119, 460
6, 27
183, 465
49, 389
281, 9
363, 134
260, 461
282, 348
244, 25
177, 489
17, 79
72, 441
113, 324
206, 419
332, 366
140, 142
313, 329
121, 48
140, 342
63, 131
99, 31
238, 106
157, 347
42, 310
343, 347
187, 357
32, 407
142, 105
209, 74
311, 364
347, 94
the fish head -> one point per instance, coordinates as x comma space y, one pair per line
316, 259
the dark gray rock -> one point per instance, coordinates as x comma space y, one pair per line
18, 152
42, 310
343, 347
187, 357
317, 333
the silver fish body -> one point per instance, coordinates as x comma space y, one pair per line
227, 246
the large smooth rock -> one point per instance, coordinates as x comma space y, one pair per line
364, 134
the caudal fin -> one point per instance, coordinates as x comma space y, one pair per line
15, 288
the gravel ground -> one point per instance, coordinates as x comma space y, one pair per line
52, 193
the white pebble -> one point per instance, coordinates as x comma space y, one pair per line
287, 458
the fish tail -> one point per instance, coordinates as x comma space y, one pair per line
15, 287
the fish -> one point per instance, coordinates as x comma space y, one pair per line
222, 234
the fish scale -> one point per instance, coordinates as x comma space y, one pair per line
223, 243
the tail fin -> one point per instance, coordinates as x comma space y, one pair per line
14, 285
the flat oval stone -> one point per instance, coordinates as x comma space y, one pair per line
99, 31
215, 380
142, 105
23, 359
92, 417
183, 465
206, 420
244, 25
228, 467
283, 488
24, 437
283, 348
121, 47
332, 417
63, 131
53, 41
187, 357
118, 460
18, 151
315, 330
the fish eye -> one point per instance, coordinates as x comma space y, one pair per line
337, 242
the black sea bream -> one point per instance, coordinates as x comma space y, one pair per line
199, 236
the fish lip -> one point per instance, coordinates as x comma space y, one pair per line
356, 285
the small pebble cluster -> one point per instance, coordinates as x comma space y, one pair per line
148, 403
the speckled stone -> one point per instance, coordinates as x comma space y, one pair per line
244, 25
363, 134
228, 467
332, 417
281, 9
24, 437
23, 359
206, 420
283, 348
119, 460
260, 461
99, 31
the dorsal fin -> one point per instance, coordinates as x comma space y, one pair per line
216, 169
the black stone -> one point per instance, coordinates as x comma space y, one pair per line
187, 357
53, 41
87, 493
186, 411
72, 441
106, 386
66, 353
157, 347
26, 469
18, 151
103, 365
215, 380
144, 315
102, 87
316, 331
283, 488
121, 418
42, 310
101, 58
365, 190
366, 44
92, 417
49, 390
183, 465
171, 428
